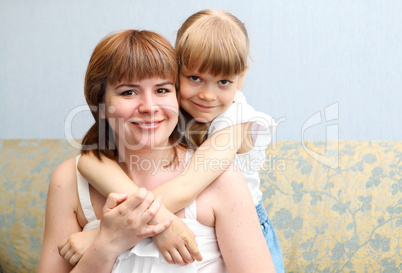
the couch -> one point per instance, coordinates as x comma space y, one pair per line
336, 207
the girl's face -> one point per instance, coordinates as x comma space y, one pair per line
141, 113
205, 96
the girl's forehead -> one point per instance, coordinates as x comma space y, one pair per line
196, 71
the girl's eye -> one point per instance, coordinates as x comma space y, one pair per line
195, 78
128, 93
162, 91
224, 82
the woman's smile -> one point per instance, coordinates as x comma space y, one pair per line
145, 111
148, 125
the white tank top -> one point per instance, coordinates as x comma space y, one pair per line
145, 256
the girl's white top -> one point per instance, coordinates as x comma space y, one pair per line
145, 256
263, 127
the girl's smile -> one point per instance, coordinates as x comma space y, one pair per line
205, 96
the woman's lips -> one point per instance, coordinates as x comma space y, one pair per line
148, 125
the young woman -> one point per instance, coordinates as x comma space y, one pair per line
130, 86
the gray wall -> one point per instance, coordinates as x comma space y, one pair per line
323, 69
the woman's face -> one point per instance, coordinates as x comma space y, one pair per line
142, 114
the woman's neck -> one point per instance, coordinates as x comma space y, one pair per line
148, 167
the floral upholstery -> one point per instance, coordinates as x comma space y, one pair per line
26, 167
343, 219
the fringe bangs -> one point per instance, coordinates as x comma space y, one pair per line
142, 55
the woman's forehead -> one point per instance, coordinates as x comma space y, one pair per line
137, 81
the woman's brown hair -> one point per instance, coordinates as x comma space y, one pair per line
127, 55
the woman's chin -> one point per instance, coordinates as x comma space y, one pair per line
146, 144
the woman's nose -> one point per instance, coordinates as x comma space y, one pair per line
207, 94
148, 104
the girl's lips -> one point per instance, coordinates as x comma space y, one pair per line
203, 106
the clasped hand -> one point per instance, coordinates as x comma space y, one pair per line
125, 223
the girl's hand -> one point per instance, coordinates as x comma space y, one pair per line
73, 247
125, 220
177, 244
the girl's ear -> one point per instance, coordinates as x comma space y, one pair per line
240, 80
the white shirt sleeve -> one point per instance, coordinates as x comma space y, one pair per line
263, 126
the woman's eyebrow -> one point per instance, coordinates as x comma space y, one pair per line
127, 85
137, 85
164, 83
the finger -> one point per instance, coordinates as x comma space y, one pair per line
136, 199
62, 244
152, 210
74, 259
131, 203
167, 257
156, 229
188, 237
191, 234
185, 254
193, 250
113, 200
64, 249
177, 259
192, 245
144, 205
69, 254
195, 254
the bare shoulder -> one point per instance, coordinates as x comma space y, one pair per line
226, 193
64, 174
62, 192
63, 184
230, 182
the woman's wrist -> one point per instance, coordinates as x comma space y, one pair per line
98, 258
105, 249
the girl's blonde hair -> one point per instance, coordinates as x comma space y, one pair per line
127, 55
213, 41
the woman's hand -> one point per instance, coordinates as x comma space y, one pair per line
125, 219
73, 247
177, 244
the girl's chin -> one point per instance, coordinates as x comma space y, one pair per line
204, 119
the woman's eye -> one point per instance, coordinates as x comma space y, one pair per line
162, 91
194, 78
128, 93
224, 82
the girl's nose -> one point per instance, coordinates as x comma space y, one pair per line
207, 94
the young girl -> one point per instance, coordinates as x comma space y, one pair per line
212, 47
